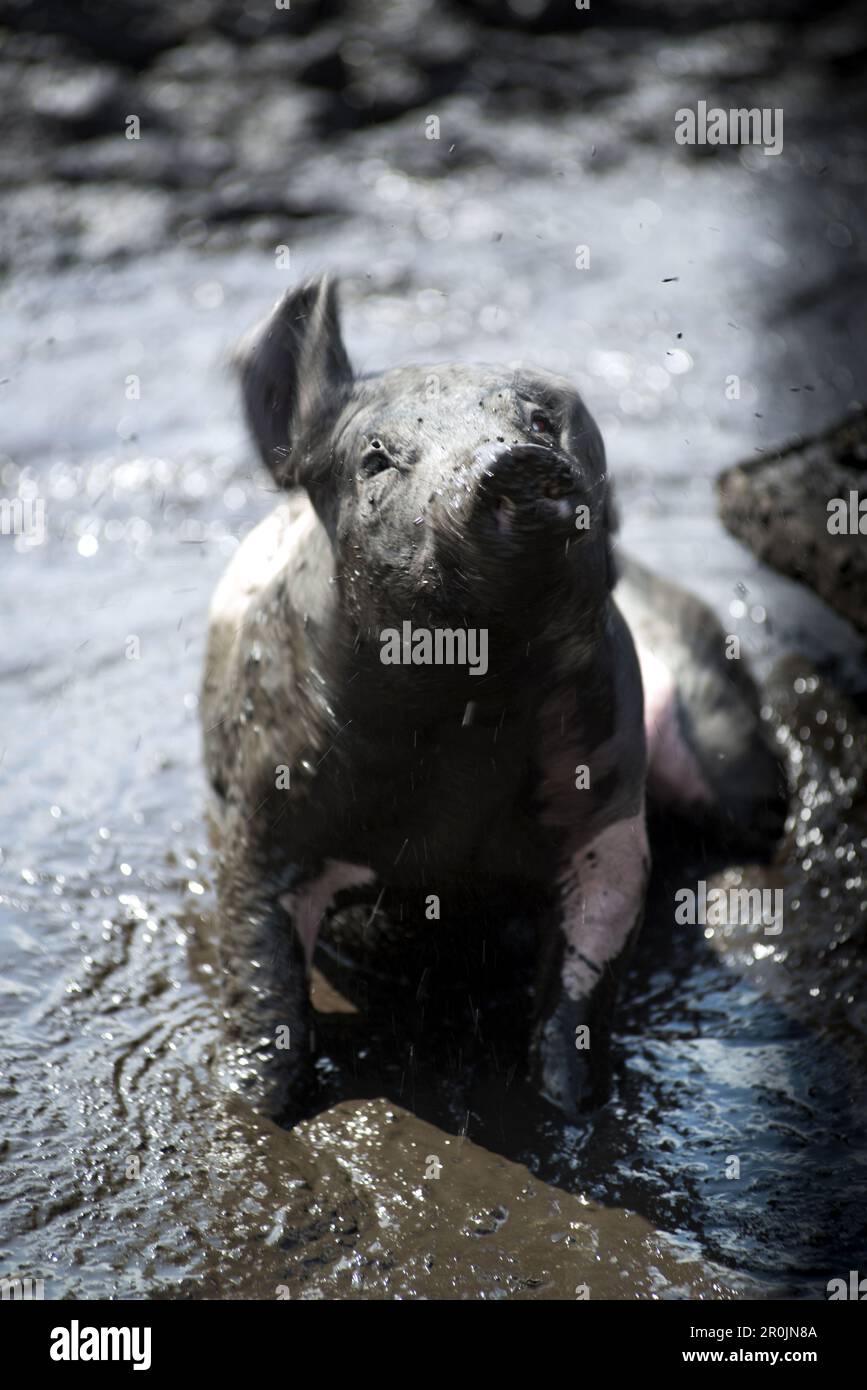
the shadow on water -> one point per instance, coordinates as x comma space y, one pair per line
722, 1124
126, 1172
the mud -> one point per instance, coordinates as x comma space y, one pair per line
126, 1172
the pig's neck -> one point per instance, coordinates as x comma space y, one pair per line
522, 671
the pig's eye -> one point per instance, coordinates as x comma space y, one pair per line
376, 459
540, 423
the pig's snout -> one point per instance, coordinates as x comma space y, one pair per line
525, 486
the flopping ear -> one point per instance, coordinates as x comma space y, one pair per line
295, 376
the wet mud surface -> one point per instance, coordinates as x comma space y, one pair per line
126, 1172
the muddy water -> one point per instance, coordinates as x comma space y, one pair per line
126, 1173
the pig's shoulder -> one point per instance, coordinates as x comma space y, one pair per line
256, 638
271, 548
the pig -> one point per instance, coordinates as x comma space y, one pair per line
467, 511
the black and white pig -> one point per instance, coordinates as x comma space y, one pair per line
474, 502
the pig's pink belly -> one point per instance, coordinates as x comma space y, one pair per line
673, 776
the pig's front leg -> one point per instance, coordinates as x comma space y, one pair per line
265, 1051
597, 914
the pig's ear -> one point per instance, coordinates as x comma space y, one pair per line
295, 376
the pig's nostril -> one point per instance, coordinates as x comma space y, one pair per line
524, 489
525, 472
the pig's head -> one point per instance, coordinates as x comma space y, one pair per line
453, 495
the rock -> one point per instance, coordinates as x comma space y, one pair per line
779, 507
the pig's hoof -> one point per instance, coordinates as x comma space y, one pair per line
266, 1080
569, 1065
